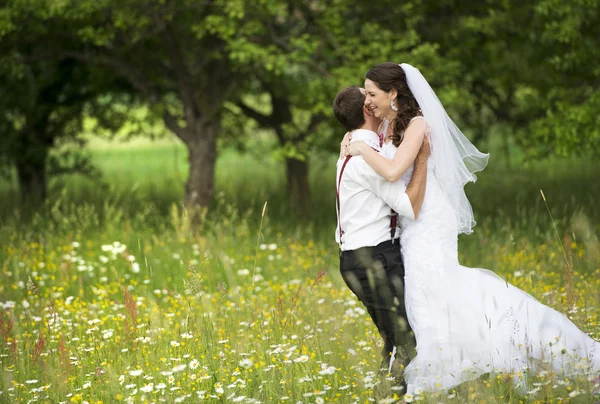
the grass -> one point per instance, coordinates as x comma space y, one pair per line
110, 294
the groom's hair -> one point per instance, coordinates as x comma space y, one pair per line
348, 108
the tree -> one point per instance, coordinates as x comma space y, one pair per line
44, 100
41, 104
184, 58
328, 47
569, 37
522, 64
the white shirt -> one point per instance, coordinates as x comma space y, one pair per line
366, 198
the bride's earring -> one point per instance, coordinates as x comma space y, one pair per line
393, 106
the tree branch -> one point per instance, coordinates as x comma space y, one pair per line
121, 67
314, 122
263, 120
312, 126
173, 125
283, 44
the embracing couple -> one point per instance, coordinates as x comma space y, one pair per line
401, 206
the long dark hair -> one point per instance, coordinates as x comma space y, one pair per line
390, 76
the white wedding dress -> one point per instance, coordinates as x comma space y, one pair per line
469, 321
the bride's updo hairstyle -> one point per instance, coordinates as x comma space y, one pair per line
390, 75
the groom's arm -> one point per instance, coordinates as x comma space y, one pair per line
392, 193
416, 187
405, 201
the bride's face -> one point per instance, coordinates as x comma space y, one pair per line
378, 101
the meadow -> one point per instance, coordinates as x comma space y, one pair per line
110, 294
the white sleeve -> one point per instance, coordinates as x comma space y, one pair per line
392, 193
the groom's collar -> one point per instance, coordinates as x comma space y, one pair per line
367, 136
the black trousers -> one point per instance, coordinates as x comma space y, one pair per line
376, 276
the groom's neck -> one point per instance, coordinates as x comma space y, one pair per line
368, 126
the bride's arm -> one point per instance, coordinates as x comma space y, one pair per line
392, 170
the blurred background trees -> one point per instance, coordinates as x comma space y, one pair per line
524, 71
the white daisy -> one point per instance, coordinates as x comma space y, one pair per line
246, 363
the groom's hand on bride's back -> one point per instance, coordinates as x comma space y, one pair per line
416, 187
425, 150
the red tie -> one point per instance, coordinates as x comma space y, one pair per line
381, 140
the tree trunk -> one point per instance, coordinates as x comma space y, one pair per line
202, 150
297, 185
31, 173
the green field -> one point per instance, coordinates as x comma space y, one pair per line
110, 294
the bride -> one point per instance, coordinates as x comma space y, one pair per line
467, 321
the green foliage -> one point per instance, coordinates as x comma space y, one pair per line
569, 128
570, 33
258, 67
325, 48
526, 66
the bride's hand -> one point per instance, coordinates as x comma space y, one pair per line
355, 148
344, 145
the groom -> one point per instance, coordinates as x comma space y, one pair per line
370, 260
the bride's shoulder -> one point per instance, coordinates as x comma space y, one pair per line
418, 124
421, 117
